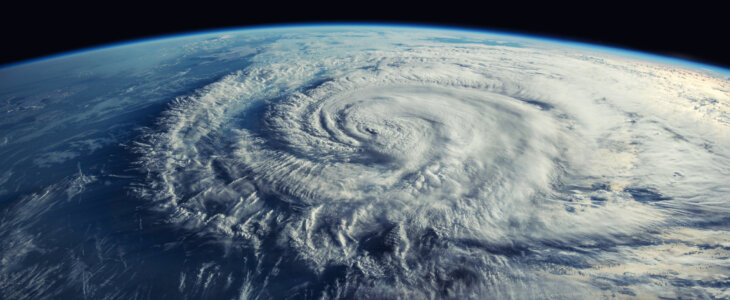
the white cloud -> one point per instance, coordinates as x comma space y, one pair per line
505, 166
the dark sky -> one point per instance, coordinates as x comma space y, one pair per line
693, 31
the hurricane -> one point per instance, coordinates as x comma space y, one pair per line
399, 165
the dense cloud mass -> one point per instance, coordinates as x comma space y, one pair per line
414, 165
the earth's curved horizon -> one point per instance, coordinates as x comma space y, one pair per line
363, 161
679, 59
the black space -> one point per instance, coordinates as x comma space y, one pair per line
692, 31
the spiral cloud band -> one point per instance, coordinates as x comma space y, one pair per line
452, 170
352, 162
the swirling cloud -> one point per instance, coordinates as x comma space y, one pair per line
437, 169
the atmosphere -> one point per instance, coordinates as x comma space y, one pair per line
691, 31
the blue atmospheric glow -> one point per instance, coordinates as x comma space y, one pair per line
295, 26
